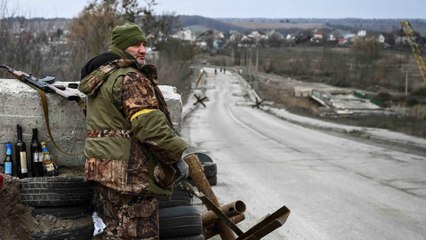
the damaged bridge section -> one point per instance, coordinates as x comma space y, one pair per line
347, 103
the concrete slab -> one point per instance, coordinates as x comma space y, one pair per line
20, 104
347, 104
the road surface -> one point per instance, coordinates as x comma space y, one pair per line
336, 188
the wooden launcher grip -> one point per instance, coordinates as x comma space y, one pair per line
200, 181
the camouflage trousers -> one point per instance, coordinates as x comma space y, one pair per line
126, 216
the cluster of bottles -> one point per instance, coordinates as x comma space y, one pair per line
40, 161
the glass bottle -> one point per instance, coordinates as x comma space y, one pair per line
2, 164
35, 158
48, 163
21, 155
8, 159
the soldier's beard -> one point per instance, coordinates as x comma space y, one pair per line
141, 62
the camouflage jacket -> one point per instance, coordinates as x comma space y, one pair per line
130, 146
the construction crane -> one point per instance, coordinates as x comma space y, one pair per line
409, 32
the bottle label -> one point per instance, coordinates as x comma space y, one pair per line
36, 157
24, 168
8, 168
50, 167
45, 157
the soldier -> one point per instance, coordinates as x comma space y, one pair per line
133, 155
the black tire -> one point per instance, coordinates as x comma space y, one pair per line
210, 169
203, 157
54, 182
212, 180
84, 232
178, 198
56, 191
63, 212
180, 221
198, 237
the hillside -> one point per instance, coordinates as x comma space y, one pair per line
348, 24
208, 23
200, 24
278, 25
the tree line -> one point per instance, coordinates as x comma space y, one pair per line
42, 50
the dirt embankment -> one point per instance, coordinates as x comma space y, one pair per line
16, 219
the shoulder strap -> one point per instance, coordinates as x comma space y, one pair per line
91, 83
43, 100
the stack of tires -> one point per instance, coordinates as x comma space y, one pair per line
179, 220
67, 199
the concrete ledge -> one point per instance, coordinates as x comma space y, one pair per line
174, 103
377, 135
20, 104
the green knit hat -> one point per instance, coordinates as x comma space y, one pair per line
127, 35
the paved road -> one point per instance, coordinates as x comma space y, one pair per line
336, 188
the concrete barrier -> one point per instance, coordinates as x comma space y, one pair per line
20, 104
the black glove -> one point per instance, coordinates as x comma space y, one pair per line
182, 171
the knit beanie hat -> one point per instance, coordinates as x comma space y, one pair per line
127, 35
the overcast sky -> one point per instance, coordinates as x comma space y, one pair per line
243, 8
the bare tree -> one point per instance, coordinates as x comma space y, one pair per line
149, 22
131, 10
90, 33
20, 47
3, 8
173, 64
166, 23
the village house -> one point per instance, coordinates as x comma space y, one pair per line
331, 38
184, 34
362, 33
380, 38
317, 36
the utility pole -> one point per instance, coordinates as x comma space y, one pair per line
245, 60
406, 82
233, 56
257, 63
241, 58
250, 63
256, 84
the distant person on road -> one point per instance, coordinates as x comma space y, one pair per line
133, 155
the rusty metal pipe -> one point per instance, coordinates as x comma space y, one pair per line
230, 210
200, 181
211, 230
